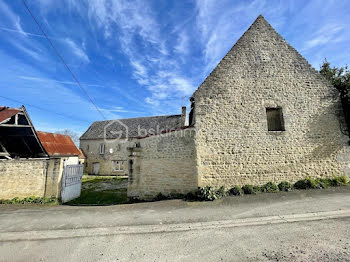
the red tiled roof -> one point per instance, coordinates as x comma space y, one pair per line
57, 144
6, 112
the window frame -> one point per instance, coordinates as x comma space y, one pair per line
102, 149
281, 123
120, 162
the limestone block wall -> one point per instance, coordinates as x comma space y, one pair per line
164, 164
22, 178
114, 150
234, 146
54, 177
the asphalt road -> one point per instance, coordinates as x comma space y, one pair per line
295, 226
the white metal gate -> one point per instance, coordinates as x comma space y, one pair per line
71, 182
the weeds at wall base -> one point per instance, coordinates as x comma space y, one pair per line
30, 200
209, 193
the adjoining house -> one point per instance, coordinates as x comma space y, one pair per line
31, 163
62, 152
60, 147
105, 143
263, 114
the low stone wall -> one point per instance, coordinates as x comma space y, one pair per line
163, 164
22, 178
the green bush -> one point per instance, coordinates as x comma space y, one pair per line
191, 196
323, 182
206, 193
29, 200
160, 197
269, 187
249, 189
285, 186
306, 183
235, 191
338, 181
220, 193
257, 189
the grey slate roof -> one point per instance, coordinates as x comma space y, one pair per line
133, 127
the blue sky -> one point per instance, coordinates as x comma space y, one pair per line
142, 58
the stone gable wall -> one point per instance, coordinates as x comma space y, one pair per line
164, 164
233, 144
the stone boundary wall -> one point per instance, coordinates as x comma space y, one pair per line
163, 164
22, 178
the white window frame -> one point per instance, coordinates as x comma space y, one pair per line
102, 149
117, 165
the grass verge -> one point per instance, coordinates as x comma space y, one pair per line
102, 191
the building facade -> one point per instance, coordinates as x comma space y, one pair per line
105, 144
263, 114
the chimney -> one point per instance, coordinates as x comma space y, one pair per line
183, 116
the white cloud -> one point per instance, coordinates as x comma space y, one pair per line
119, 109
11, 16
140, 70
325, 35
75, 49
21, 32
182, 46
40, 79
151, 101
141, 38
28, 51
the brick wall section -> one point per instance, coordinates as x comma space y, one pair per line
22, 178
164, 164
232, 142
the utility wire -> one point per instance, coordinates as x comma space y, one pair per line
61, 58
43, 109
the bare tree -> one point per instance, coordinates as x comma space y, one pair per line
73, 135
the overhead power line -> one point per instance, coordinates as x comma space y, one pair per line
46, 110
61, 58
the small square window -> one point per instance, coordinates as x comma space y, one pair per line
275, 120
117, 165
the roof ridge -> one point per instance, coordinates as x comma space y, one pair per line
131, 118
97, 128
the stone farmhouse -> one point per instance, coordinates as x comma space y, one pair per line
105, 144
263, 114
